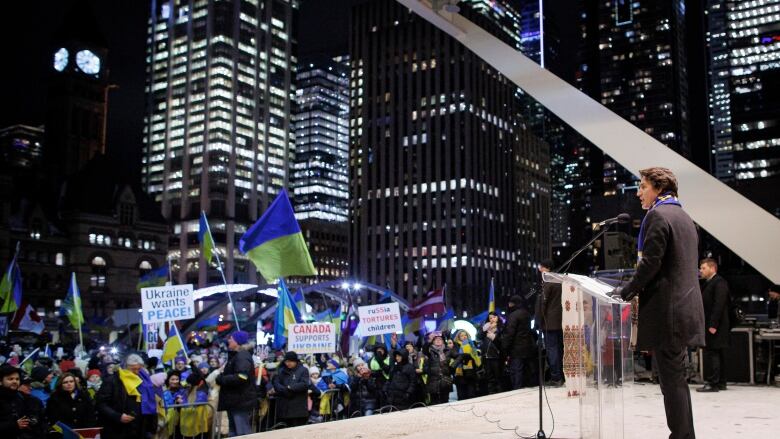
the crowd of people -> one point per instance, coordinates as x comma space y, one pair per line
137, 396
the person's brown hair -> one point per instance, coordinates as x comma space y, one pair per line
662, 179
58, 388
711, 262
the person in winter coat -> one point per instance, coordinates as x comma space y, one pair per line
21, 416
316, 386
70, 405
417, 359
128, 414
437, 368
174, 393
466, 362
490, 345
716, 298
380, 366
517, 342
403, 379
94, 380
365, 393
41, 383
549, 314
237, 393
291, 386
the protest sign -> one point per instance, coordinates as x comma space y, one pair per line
311, 338
166, 304
384, 318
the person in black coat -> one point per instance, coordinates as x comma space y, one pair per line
490, 344
70, 404
291, 387
437, 368
716, 298
120, 414
517, 342
21, 416
364, 392
671, 314
237, 393
403, 379
550, 315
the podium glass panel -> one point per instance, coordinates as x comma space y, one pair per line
597, 353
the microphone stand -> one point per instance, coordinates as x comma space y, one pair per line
541, 348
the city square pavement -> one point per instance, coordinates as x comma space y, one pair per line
740, 412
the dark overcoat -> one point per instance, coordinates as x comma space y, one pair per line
671, 313
517, 340
237, 382
716, 312
292, 390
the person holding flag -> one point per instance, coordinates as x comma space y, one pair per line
237, 392
127, 402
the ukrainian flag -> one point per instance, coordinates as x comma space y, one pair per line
173, 345
11, 288
275, 243
286, 314
67, 432
71, 306
205, 238
154, 278
492, 298
300, 303
447, 322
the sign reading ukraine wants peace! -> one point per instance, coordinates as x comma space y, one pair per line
166, 304
384, 318
311, 338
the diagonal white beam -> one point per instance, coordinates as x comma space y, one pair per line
747, 229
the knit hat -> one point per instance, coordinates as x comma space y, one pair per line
180, 360
240, 337
358, 362
289, 356
203, 365
334, 363
39, 373
93, 372
313, 370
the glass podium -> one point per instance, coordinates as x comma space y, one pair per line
597, 353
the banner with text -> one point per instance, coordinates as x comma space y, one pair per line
166, 304
311, 338
384, 318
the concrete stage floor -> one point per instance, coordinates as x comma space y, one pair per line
740, 412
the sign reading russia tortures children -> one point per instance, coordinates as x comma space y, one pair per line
384, 318
166, 304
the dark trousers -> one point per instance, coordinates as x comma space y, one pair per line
677, 394
516, 369
554, 345
716, 358
494, 368
466, 388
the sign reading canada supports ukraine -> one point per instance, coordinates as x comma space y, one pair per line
166, 304
311, 338
384, 318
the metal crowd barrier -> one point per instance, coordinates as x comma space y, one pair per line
174, 431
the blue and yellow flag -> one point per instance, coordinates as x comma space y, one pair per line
275, 243
286, 314
71, 306
447, 321
173, 345
11, 288
65, 431
492, 297
205, 238
154, 278
300, 303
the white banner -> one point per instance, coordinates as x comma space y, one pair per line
384, 318
166, 304
311, 338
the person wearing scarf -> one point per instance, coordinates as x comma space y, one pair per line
466, 361
438, 370
671, 313
127, 402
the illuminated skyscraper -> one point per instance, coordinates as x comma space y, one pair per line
447, 187
218, 134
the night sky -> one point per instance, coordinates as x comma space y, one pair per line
28, 29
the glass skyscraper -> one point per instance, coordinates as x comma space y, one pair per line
218, 133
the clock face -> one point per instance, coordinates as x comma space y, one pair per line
88, 62
61, 59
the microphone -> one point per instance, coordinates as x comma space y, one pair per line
622, 219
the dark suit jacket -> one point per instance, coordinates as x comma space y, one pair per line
716, 312
551, 315
670, 303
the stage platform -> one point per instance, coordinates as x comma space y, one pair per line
741, 411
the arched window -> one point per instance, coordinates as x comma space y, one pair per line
98, 278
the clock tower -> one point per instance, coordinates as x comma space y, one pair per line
76, 99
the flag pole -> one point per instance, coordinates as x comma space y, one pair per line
221, 270
170, 271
